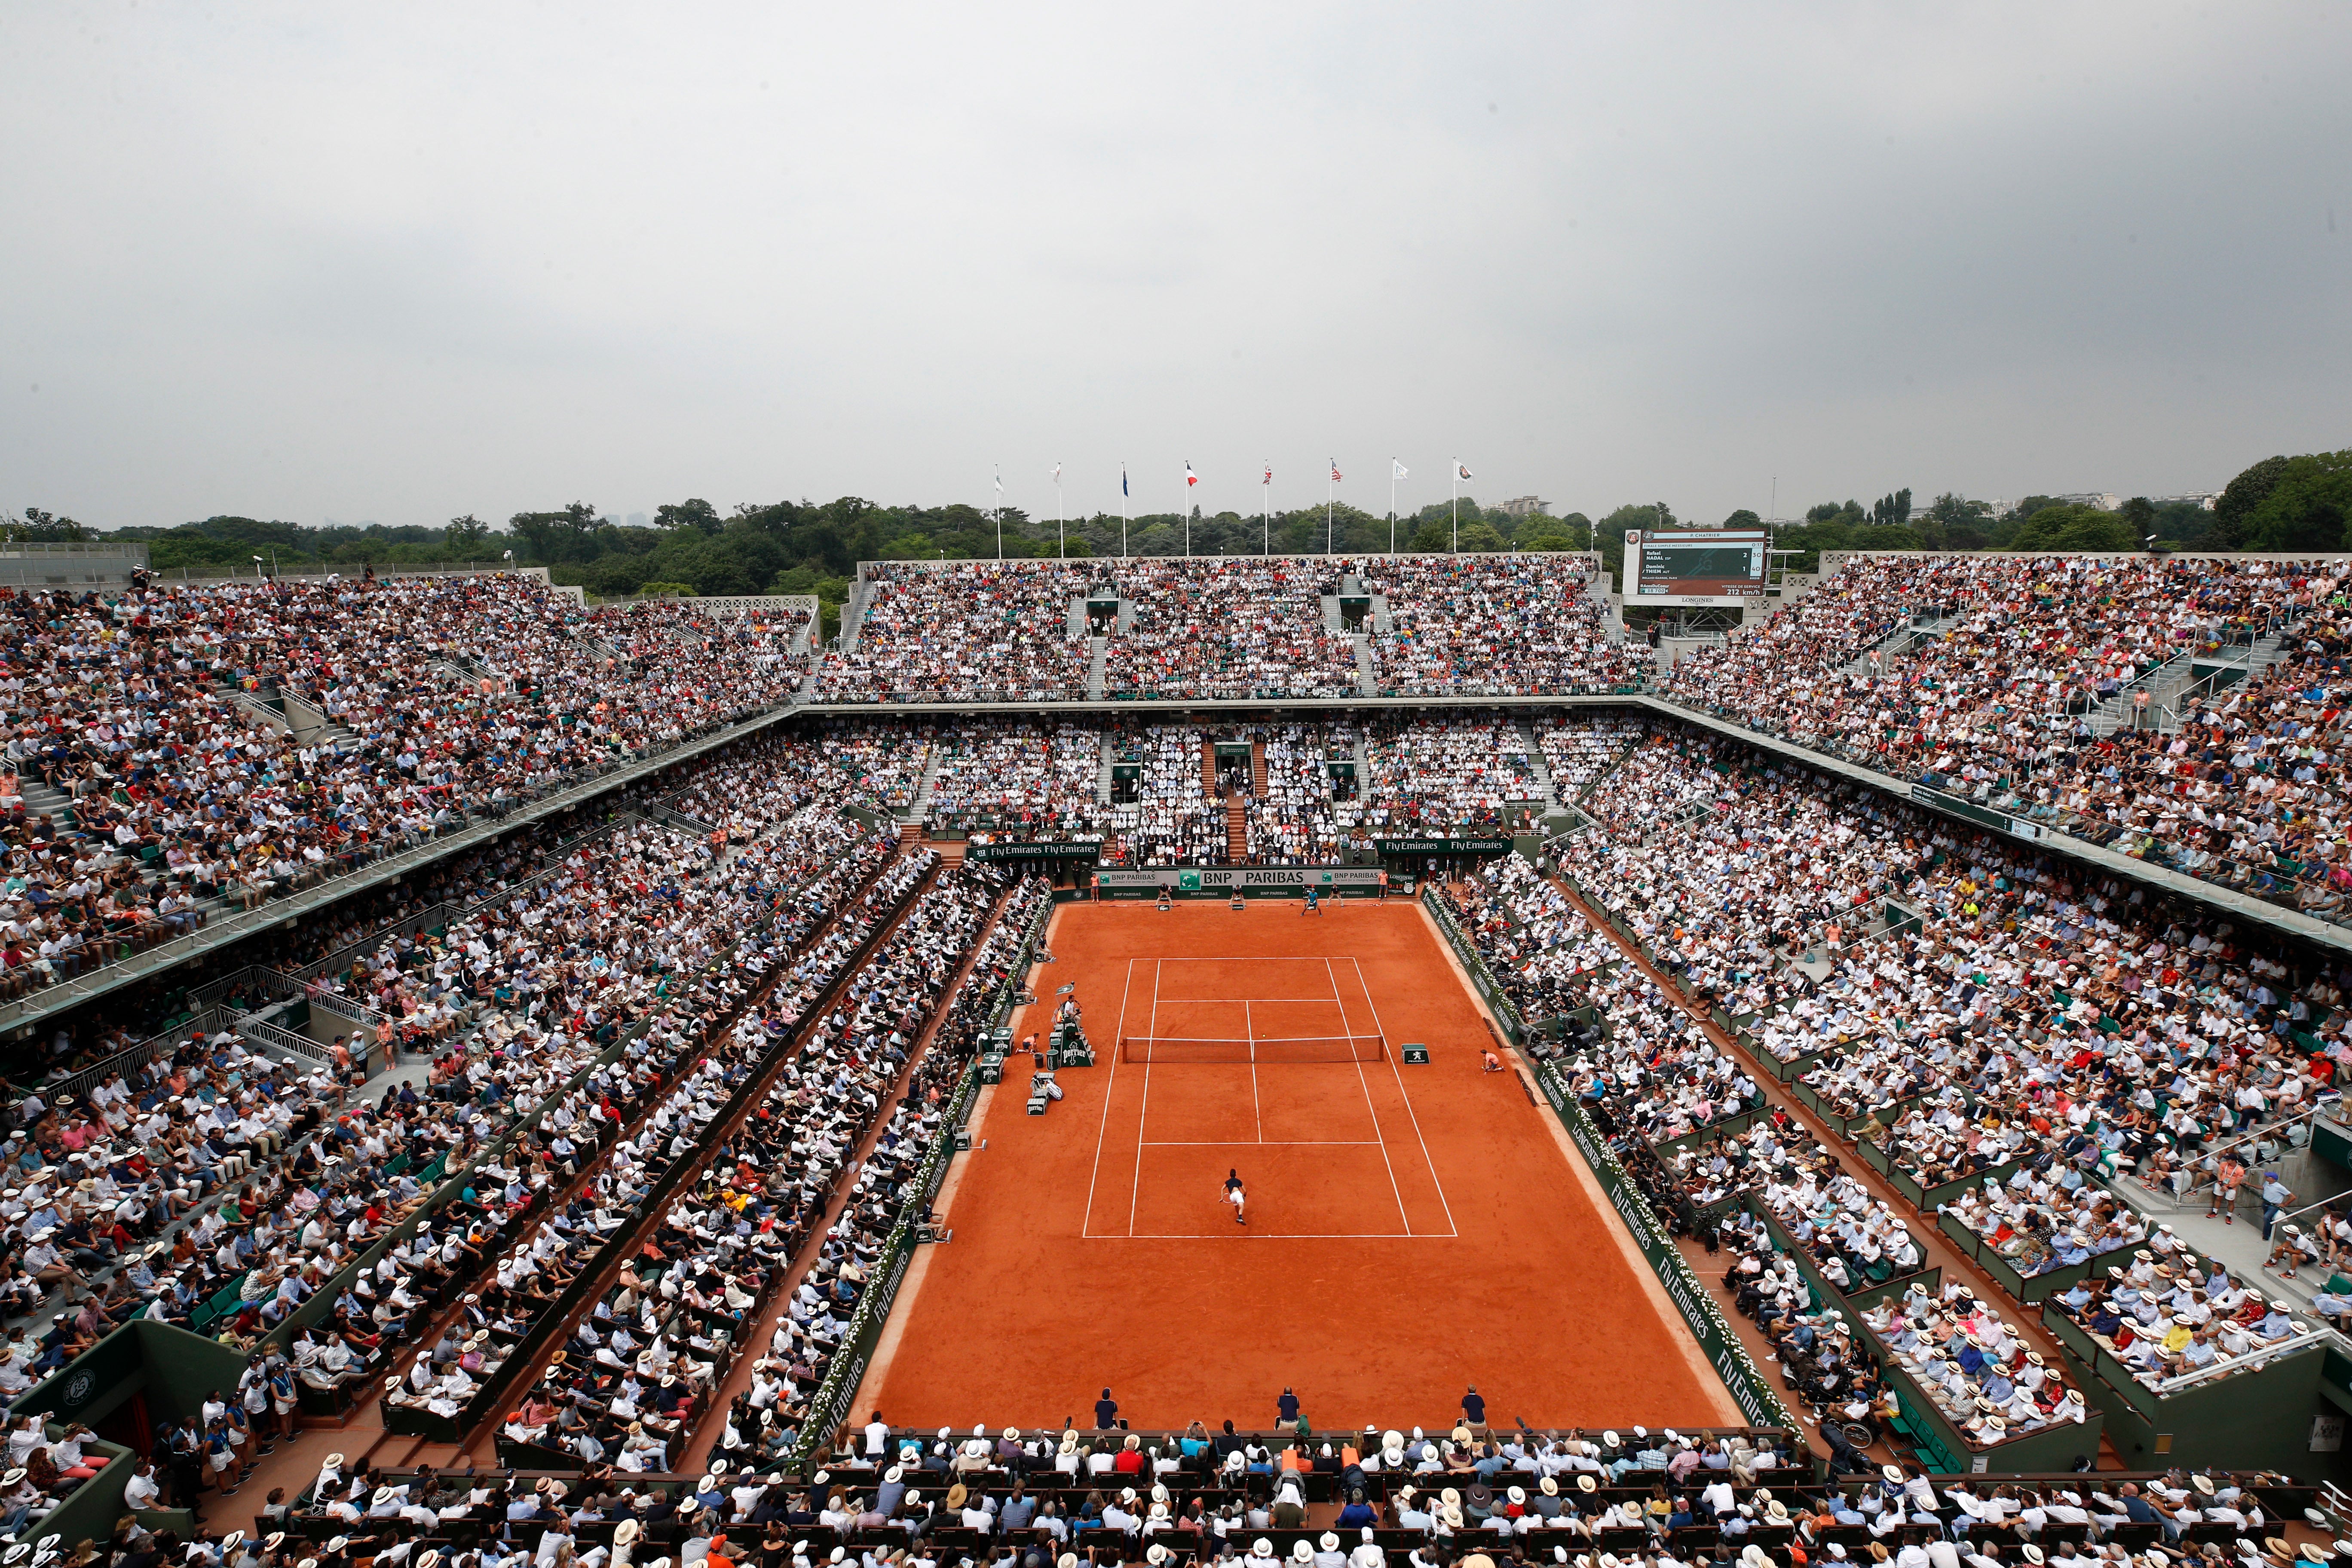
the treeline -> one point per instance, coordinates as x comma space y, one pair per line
2282, 503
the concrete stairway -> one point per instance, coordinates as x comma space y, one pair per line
1897, 643
45, 800
1236, 831
1541, 769
1103, 779
1368, 681
920, 808
1097, 656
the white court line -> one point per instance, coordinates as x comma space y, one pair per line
1409, 1110
1254, 998
1269, 1143
1361, 1082
1257, 1107
1282, 1235
1251, 958
1135, 1189
1086, 1218
1255, 1040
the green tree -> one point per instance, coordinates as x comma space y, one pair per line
1954, 522
1892, 511
2307, 508
1433, 535
568, 534
1884, 536
1609, 534
1573, 531
1483, 535
45, 526
693, 513
1743, 517
2139, 514
464, 535
2074, 528
2233, 511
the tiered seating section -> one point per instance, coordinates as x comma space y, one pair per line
1229, 629
1432, 775
1967, 1018
1182, 1500
1493, 626
179, 752
1993, 699
987, 631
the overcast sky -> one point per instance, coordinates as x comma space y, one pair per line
400, 262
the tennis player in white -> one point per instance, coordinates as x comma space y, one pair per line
1233, 1194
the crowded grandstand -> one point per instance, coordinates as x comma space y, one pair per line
483, 1064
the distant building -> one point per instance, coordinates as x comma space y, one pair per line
636, 520
2203, 500
2097, 501
1525, 506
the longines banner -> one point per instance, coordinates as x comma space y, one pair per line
1250, 881
1075, 849
1443, 846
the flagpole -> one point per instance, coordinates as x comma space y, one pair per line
1000, 514
1061, 536
1456, 479
1265, 511
1393, 466
1186, 496
1330, 492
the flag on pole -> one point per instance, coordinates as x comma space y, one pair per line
1057, 473
1399, 467
1269, 475
1461, 470
1335, 470
1191, 479
1000, 485
1122, 478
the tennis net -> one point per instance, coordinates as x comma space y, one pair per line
1165, 1050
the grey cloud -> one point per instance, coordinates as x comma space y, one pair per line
412, 262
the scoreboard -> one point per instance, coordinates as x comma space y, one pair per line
1700, 567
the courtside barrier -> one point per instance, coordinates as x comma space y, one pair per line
829, 1407
1717, 1339
1514, 1027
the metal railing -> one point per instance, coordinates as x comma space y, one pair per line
2201, 1179
276, 1038
2294, 1344
127, 1061
427, 919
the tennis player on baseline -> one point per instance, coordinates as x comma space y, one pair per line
1233, 1193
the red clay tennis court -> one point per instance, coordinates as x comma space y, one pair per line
1411, 1230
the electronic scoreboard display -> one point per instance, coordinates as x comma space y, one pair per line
1703, 567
